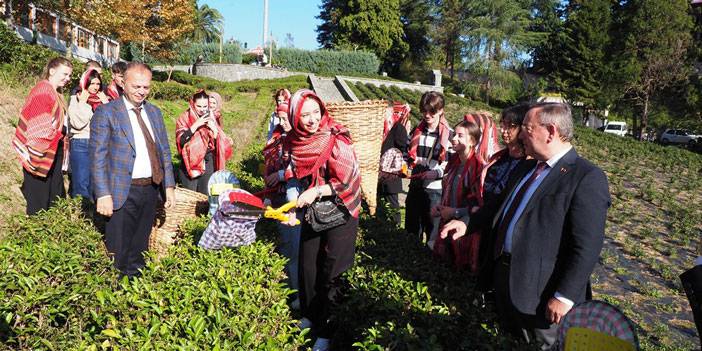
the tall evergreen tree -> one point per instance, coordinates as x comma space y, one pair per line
547, 19
415, 16
449, 26
651, 51
372, 25
582, 66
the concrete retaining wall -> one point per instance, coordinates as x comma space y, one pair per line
237, 72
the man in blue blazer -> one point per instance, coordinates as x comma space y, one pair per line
548, 230
130, 167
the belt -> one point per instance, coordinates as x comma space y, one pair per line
142, 181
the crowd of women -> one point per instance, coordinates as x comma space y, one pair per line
309, 158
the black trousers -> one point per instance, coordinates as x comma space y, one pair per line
198, 184
324, 256
524, 326
418, 205
41, 192
127, 231
394, 201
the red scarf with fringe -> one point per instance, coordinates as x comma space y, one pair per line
330, 148
194, 151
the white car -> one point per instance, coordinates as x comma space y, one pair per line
678, 136
618, 128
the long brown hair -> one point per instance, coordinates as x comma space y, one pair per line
55, 63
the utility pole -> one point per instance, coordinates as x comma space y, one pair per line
265, 24
221, 42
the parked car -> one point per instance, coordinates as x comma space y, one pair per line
614, 127
678, 136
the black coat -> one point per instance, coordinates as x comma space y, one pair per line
557, 240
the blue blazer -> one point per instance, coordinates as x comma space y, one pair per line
112, 151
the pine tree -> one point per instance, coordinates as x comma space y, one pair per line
582, 66
651, 51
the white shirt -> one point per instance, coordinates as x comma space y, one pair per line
142, 162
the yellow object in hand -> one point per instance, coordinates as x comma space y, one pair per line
281, 213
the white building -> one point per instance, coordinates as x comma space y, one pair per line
52, 30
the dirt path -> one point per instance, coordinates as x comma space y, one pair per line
11, 200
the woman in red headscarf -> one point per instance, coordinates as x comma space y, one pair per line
324, 162
40, 138
281, 96
80, 111
202, 144
462, 193
395, 136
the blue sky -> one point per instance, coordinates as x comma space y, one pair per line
243, 20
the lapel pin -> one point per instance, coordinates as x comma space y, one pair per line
563, 170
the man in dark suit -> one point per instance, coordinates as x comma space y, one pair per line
130, 162
549, 229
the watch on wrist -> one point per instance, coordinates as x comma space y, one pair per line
456, 214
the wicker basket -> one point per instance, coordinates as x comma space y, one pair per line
365, 121
166, 229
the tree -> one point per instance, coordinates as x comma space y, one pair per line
448, 30
499, 33
416, 19
651, 51
581, 66
207, 25
547, 19
372, 25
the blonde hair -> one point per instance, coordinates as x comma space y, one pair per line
55, 63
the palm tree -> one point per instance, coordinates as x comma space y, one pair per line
208, 25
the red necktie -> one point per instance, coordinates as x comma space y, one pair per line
507, 218
156, 169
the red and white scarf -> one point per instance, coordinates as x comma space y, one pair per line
113, 91
93, 99
444, 134
400, 114
194, 151
489, 143
39, 130
330, 147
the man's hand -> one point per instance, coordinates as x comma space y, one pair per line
555, 310
456, 226
271, 179
170, 198
104, 205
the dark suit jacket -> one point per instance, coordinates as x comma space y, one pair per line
112, 151
557, 240
397, 138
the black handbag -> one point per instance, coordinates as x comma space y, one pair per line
326, 213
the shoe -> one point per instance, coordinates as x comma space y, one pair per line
305, 323
295, 305
322, 344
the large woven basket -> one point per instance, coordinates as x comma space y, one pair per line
365, 121
166, 229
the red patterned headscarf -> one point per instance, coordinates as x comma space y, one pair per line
444, 134
488, 143
194, 151
217, 111
93, 100
311, 151
400, 114
274, 156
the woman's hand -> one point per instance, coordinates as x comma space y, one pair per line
103, 98
292, 218
212, 124
83, 97
307, 197
197, 124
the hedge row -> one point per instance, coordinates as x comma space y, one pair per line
327, 61
59, 291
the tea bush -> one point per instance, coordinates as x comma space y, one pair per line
327, 61
59, 291
172, 91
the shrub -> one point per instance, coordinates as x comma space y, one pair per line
189, 52
171, 91
59, 291
327, 61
